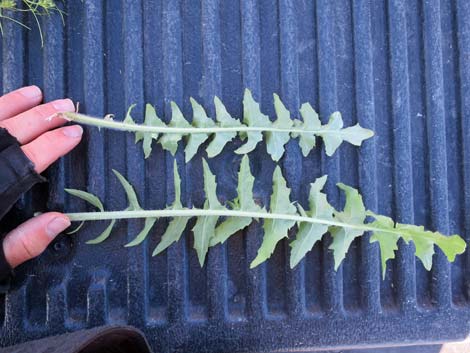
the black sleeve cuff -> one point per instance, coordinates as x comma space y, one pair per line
17, 175
6, 140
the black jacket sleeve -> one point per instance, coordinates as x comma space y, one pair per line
17, 175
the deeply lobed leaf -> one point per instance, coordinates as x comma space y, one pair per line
282, 216
388, 234
255, 126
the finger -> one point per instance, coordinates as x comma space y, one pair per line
52, 145
18, 101
32, 237
32, 123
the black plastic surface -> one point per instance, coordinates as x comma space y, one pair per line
400, 68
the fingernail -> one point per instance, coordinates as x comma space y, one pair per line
73, 131
56, 226
30, 92
64, 105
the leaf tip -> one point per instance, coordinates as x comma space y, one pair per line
369, 133
384, 273
217, 100
255, 263
156, 252
319, 183
174, 107
116, 172
293, 262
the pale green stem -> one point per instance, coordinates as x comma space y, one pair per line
117, 125
196, 212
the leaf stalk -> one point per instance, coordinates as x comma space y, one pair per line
118, 125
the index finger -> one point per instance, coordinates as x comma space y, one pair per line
32, 123
18, 101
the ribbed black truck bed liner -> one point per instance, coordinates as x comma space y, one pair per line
400, 68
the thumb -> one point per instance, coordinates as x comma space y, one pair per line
31, 238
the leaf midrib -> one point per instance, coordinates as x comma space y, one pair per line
98, 122
196, 212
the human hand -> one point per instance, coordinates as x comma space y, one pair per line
43, 142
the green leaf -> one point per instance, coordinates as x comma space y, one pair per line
254, 125
311, 122
221, 139
344, 226
151, 119
276, 229
425, 240
244, 201
172, 234
252, 117
103, 236
204, 228
86, 196
201, 120
334, 134
354, 214
130, 192
149, 222
309, 233
275, 141
169, 142
387, 240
